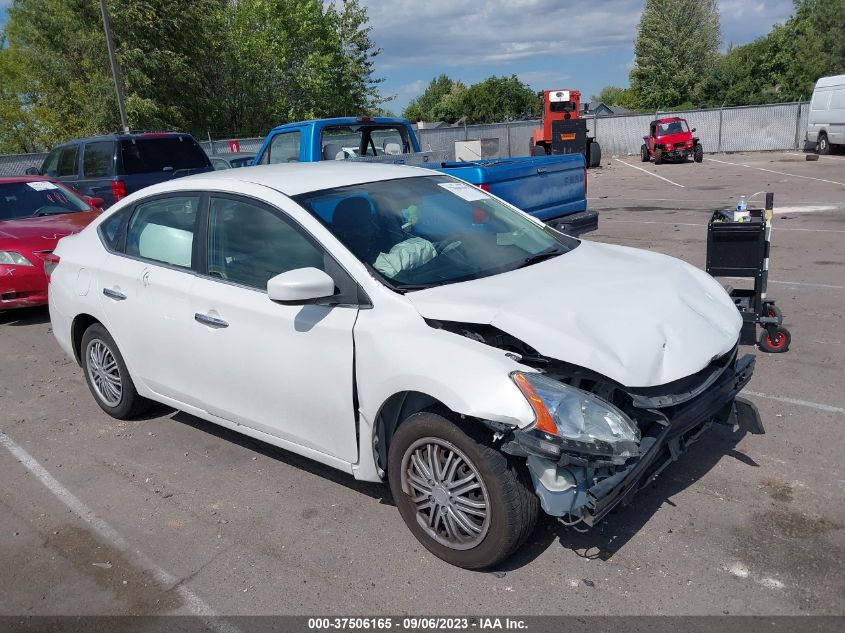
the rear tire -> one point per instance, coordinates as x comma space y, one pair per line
107, 375
474, 529
698, 153
823, 145
644, 157
595, 155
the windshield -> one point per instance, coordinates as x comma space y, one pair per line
432, 230
37, 198
341, 142
672, 127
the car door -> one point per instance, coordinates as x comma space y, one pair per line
286, 370
145, 284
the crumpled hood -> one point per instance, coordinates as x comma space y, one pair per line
637, 317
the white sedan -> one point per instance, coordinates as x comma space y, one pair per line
396, 323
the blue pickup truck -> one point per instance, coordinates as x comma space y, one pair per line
551, 188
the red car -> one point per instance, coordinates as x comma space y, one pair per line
35, 213
671, 139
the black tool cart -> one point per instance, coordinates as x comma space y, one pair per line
740, 248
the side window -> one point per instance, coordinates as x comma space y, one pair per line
69, 161
51, 163
97, 159
219, 163
249, 244
112, 227
163, 230
819, 101
284, 148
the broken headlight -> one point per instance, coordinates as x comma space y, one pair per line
580, 421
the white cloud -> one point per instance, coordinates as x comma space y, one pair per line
458, 34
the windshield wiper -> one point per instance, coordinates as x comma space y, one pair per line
554, 251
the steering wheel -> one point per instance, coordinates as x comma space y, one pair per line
42, 211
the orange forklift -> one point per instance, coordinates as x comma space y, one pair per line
564, 130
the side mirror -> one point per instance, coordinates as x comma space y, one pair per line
300, 286
693, 130
32, 171
95, 201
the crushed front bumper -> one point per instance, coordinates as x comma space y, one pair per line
571, 490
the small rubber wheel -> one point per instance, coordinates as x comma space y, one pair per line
823, 145
773, 312
463, 500
698, 153
658, 156
107, 376
644, 157
776, 342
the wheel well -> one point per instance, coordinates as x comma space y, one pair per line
399, 407
81, 323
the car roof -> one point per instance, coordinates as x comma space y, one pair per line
293, 179
346, 120
121, 136
669, 119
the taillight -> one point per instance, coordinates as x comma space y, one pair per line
118, 189
51, 260
484, 187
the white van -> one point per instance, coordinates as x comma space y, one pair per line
826, 123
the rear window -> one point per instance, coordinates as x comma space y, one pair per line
165, 153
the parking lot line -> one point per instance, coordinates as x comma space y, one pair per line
106, 532
772, 171
801, 403
645, 171
819, 155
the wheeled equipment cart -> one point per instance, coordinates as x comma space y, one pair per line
739, 247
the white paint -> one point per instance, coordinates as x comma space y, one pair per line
650, 173
780, 173
801, 403
738, 569
193, 602
805, 208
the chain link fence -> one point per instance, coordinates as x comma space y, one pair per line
740, 129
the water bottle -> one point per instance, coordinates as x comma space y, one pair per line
742, 205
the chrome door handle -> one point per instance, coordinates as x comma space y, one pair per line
114, 294
206, 319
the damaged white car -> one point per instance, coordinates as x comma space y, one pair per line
399, 324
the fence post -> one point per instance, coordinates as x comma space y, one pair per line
797, 127
508, 133
719, 144
210, 142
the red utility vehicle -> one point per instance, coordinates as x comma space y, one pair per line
671, 139
35, 213
564, 130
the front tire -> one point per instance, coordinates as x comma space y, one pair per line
698, 153
460, 498
658, 156
107, 376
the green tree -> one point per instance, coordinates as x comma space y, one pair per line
499, 99
677, 43
613, 95
439, 89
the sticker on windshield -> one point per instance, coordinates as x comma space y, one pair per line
467, 192
42, 185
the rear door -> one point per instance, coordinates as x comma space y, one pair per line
98, 170
146, 284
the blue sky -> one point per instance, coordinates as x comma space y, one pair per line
547, 43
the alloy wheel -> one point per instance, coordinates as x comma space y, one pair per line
452, 503
104, 372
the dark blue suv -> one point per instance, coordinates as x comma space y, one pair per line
113, 166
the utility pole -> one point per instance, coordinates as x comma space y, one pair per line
115, 68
